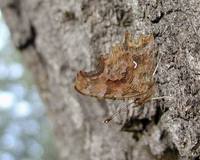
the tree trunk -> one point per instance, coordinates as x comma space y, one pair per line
58, 38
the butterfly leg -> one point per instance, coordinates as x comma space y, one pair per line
162, 97
158, 63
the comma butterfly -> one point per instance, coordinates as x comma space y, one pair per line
125, 73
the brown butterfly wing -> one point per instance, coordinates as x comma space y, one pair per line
125, 73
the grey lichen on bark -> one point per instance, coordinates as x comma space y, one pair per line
58, 38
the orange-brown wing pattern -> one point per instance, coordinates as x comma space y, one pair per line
124, 73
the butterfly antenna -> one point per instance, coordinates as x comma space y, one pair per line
122, 109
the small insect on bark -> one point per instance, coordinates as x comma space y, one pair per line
125, 73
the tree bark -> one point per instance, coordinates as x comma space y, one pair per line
58, 38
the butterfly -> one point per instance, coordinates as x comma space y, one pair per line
125, 73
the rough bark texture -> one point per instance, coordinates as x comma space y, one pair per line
58, 38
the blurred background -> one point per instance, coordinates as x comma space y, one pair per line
25, 133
